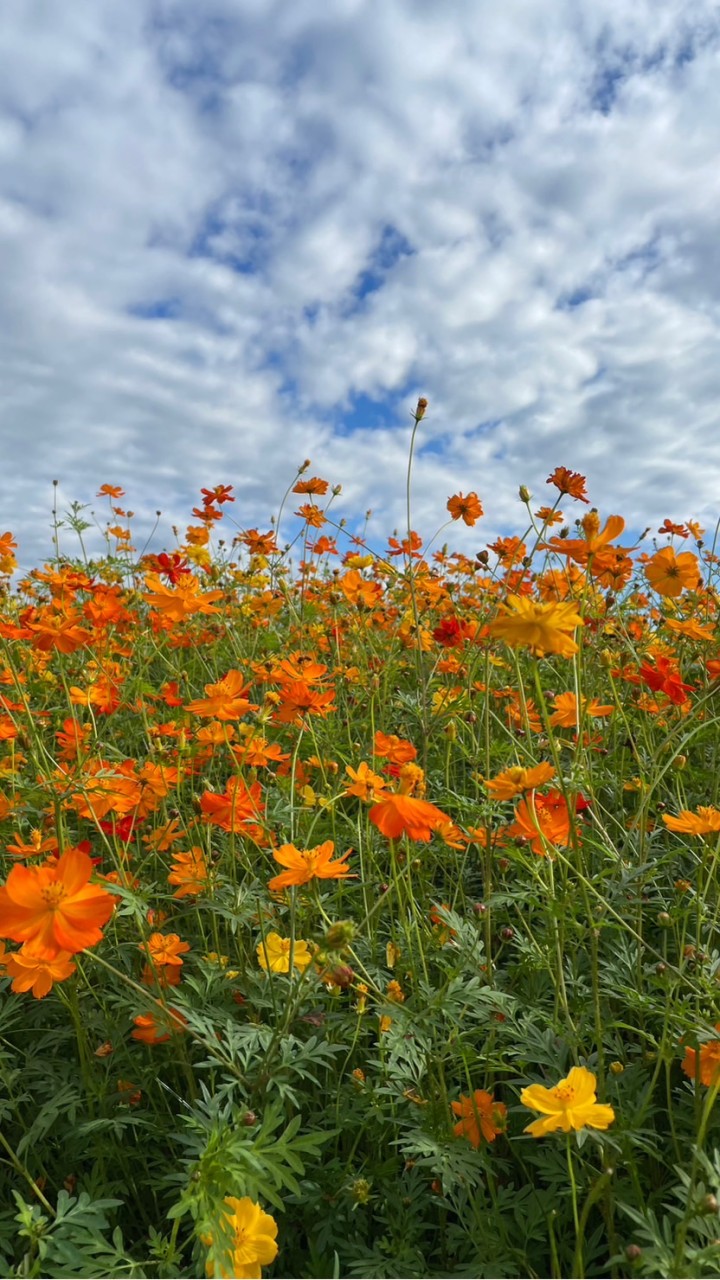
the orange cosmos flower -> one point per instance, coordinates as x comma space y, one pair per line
542, 628
180, 602
709, 1064
566, 714
512, 782
570, 482
364, 783
59, 631
109, 789
395, 815
670, 574
313, 485
396, 750
110, 491
297, 699
541, 820
480, 1117
468, 509
226, 700
54, 906
155, 1028
165, 948
235, 810
305, 865
33, 970
190, 872
703, 823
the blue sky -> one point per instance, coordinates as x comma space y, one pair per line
241, 233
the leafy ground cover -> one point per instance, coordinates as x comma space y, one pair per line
360, 908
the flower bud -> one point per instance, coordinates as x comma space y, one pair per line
339, 936
422, 405
524, 493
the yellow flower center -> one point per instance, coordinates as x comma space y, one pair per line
564, 1093
243, 1250
53, 894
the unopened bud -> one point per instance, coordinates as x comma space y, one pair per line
524, 493
421, 406
339, 936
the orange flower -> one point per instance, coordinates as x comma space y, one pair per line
670, 574
313, 485
570, 482
33, 970
468, 509
396, 750
541, 820
190, 872
703, 823
709, 1065
238, 809
305, 865
165, 948
480, 1117
566, 712
543, 628
364, 782
226, 700
153, 1028
512, 782
395, 815
54, 906
181, 602
297, 699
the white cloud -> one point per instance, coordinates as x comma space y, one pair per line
221, 224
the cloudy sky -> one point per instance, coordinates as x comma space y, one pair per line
238, 233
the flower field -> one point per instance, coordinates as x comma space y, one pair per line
360, 912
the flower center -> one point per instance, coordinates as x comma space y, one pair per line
564, 1093
243, 1250
53, 894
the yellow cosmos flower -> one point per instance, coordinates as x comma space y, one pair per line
252, 1233
570, 1104
274, 954
542, 628
704, 822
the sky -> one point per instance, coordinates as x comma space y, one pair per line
242, 233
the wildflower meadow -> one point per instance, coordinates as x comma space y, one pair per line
359, 905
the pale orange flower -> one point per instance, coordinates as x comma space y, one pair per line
304, 865
566, 711
670, 574
542, 628
364, 783
706, 821
189, 871
226, 700
512, 782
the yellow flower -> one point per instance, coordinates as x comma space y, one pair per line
253, 1244
274, 954
570, 1104
543, 628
